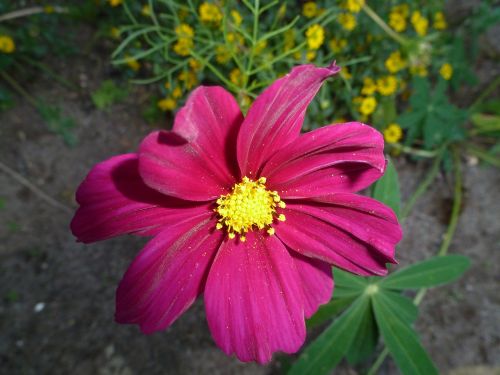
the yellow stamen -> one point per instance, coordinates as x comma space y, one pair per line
249, 206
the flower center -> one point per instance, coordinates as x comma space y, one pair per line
250, 205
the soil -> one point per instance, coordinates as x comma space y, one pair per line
57, 295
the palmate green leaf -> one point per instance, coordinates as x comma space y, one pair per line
386, 189
401, 340
348, 285
329, 310
432, 272
366, 339
404, 306
324, 353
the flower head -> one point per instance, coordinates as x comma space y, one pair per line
354, 6
393, 133
246, 211
420, 23
210, 13
446, 71
440, 21
315, 35
310, 9
387, 85
7, 44
347, 21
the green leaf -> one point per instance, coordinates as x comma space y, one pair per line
347, 284
329, 311
324, 353
386, 189
404, 306
401, 340
366, 339
432, 272
107, 94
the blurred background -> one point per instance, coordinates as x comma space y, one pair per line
81, 81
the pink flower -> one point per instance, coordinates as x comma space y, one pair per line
246, 211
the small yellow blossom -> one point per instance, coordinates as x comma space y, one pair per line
133, 63
440, 21
387, 85
420, 23
393, 133
419, 70
369, 86
115, 32
183, 46
236, 17
354, 6
261, 46
337, 45
368, 105
146, 10
210, 13
167, 104
397, 21
235, 38
7, 44
49, 9
281, 11
236, 77
177, 93
115, 3
403, 9
347, 21
344, 73
189, 79
194, 64
446, 71
315, 36
310, 55
184, 31
310, 9
222, 54
395, 62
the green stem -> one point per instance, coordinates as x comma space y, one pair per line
18, 88
30, 12
415, 151
443, 250
492, 86
216, 71
424, 185
379, 21
476, 151
247, 72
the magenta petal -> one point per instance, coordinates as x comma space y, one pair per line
352, 232
167, 275
276, 116
317, 282
114, 200
197, 161
253, 299
337, 158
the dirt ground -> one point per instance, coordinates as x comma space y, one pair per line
57, 296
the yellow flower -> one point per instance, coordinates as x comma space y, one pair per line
315, 36
282, 11
133, 64
222, 54
210, 13
368, 105
419, 70
189, 79
49, 9
194, 64
440, 21
183, 46
310, 55
397, 21
387, 85
354, 6
236, 17
369, 86
446, 71
420, 23
395, 62
234, 37
261, 46
347, 21
177, 93
184, 31
7, 44
393, 133
236, 77
344, 73
146, 10
337, 45
309, 9
115, 3
167, 104
402, 9
115, 32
